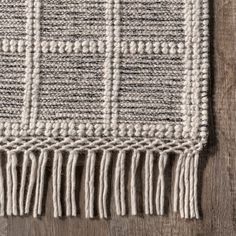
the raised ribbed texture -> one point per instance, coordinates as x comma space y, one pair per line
109, 77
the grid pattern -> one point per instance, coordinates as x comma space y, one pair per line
116, 67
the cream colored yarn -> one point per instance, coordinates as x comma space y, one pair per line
123, 82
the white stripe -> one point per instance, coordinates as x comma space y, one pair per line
116, 67
36, 58
28, 64
108, 67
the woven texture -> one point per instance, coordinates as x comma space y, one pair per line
107, 75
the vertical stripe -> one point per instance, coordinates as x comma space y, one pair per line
195, 91
108, 67
36, 58
28, 64
116, 67
186, 105
204, 69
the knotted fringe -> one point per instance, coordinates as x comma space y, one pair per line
20, 194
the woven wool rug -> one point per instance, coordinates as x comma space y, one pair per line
114, 81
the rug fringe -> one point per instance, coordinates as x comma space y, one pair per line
120, 184
2, 190
134, 166
56, 178
23, 181
185, 188
89, 184
103, 184
32, 179
43, 158
161, 184
20, 194
148, 192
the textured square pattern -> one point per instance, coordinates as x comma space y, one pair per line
106, 78
103, 68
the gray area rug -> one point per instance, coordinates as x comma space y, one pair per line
116, 81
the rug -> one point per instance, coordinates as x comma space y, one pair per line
102, 84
